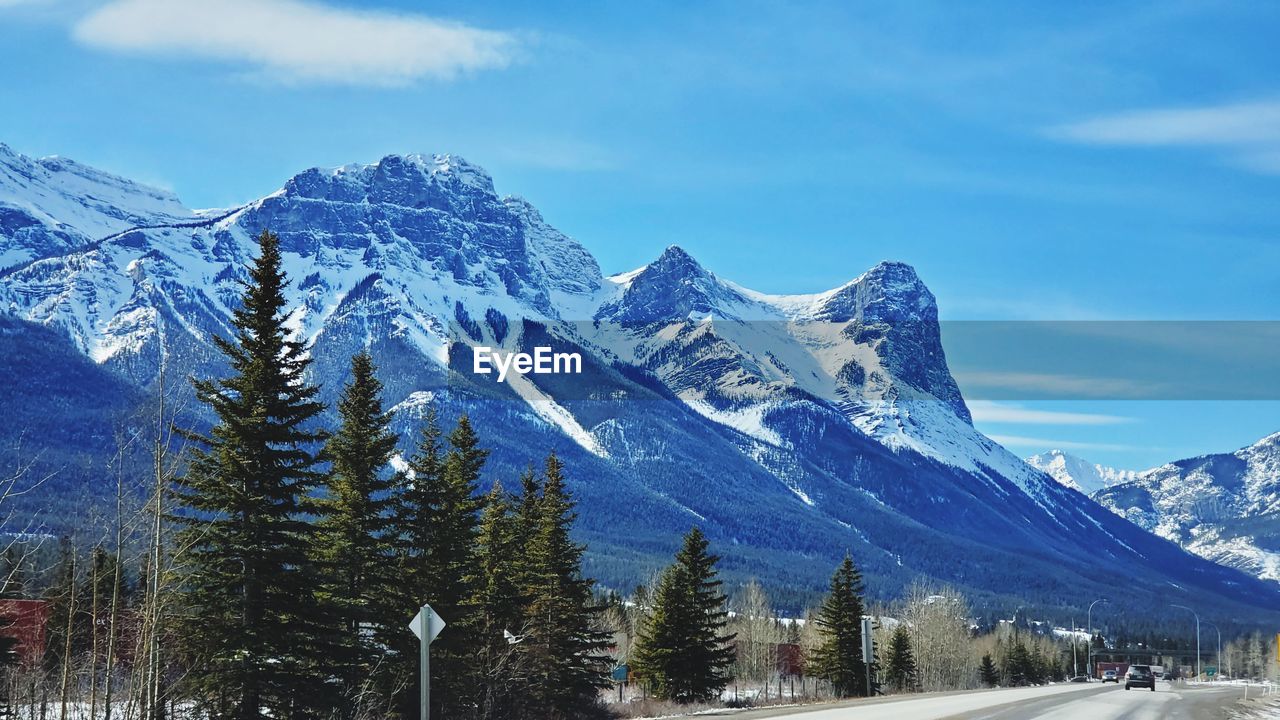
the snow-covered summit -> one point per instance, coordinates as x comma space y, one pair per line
1220, 506
51, 205
1079, 474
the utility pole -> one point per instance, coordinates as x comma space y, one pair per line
1193, 612
1075, 662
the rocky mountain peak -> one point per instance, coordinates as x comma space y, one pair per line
888, 292
673, 287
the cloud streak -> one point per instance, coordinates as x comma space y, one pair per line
993, 412
1019, 441
297, 40
1053, 386
1249, 133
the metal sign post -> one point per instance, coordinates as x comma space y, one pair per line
426, 625
868, 652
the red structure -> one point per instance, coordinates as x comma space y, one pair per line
24, 620
790, 660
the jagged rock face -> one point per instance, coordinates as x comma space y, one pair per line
439, 212
1224, 507
891, 308
672, 288
790, 427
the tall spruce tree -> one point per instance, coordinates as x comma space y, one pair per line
987, 671
684, 651
838, 658
900, 665
253, 623
439, 519
355, 547
500, 609
563, 649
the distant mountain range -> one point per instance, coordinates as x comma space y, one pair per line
791, 428
1224, 507
1077, 473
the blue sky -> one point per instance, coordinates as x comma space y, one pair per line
1031, 160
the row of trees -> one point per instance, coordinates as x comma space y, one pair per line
303, 567
684, 646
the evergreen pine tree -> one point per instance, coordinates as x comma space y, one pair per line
987, 671
1017, 665
500, 608
525, 524
563, 649
252, 618
439, 519
355, 546
684, 651
900, 666
838, 659
414, 524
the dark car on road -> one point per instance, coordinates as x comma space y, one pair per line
1140, 676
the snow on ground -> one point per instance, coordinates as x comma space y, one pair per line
927, 707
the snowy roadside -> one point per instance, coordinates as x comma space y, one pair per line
924, 706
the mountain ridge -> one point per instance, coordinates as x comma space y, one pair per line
1221, 506
790, 426
1079, 474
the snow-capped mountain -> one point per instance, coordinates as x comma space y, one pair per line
1077, 473
1222, 507
791, 428
53, 204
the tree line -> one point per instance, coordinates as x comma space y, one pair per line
304, 567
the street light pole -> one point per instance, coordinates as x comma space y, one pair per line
1218, 659
1090, 623
1193, 612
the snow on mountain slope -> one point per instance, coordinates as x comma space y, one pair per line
1222, 507
448, 257
833, 414
453, 262
52, 205
870, 349
1079, 474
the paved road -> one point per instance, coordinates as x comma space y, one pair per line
1115, 703
1058, 702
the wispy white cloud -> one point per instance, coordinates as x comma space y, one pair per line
298, 40
1248, 133
1051, 386
994, 412
1020, 441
